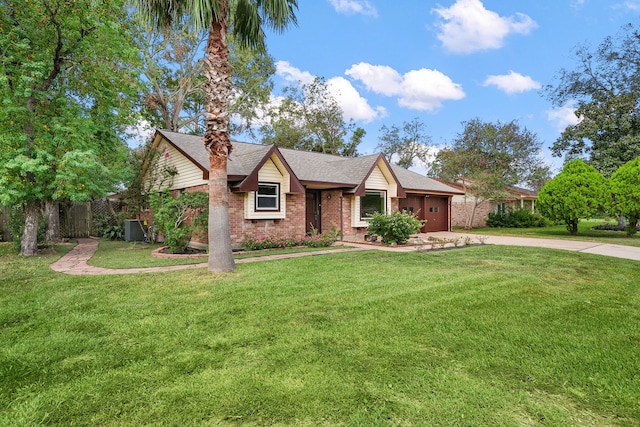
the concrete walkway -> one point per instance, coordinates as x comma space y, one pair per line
75, 262
616, 251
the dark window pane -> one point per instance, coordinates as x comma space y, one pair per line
372, 203
268, 190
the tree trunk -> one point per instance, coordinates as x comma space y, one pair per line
217, 91
220, 253
29, 240
573, 227
471, 216
52, 221
621, 221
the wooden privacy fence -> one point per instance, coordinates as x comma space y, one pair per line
5, 232
76, 220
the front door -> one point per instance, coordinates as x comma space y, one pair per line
313, 211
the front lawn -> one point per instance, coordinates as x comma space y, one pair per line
585, 233
482, 336
119, 254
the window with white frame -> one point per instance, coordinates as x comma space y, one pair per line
372, 202
268, 197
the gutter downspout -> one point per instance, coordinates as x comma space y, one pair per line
450, 213
341, 217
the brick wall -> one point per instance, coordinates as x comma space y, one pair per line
292, 225
330, 210
459, 217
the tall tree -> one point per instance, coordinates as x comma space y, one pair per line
576, 192
172, 69
309, 118
605, 89
486, 158
404, 146
67, 93
249, 17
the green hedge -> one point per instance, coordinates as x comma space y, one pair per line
516, 218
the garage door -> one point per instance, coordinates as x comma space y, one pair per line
436, 213
432, 208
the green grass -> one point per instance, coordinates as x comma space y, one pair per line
119, 254
485, 336
585, 233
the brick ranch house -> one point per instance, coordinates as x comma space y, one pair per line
278, 191
514, 198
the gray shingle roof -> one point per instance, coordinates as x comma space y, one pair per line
412, 181
309, 167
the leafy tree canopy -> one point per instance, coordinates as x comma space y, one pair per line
404, 146
605, 89
309, 118
67, 87
624, 193
576, 192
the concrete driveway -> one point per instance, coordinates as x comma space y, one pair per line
617, 251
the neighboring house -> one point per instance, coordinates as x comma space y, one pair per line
278, 191
514, 198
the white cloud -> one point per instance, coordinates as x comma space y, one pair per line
353, 105
422, 89
577, 4
633, 5
468, 27
350, 7
293, 74
563, 116
377, 78
512, 83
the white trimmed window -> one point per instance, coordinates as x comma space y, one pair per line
372, 202
268, 197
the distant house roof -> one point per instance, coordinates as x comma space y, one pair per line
522, 192
516, 191
310, 168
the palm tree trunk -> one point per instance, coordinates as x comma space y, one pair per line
217, 91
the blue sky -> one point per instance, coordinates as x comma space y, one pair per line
445, 61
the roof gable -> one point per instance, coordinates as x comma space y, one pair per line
250, 183
380, 162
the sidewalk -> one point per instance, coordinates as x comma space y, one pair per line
75, 262
610, 250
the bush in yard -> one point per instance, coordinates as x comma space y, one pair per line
320, 240
576, 192
517, 218
395, 227
252, 243
179, 217
314, 240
